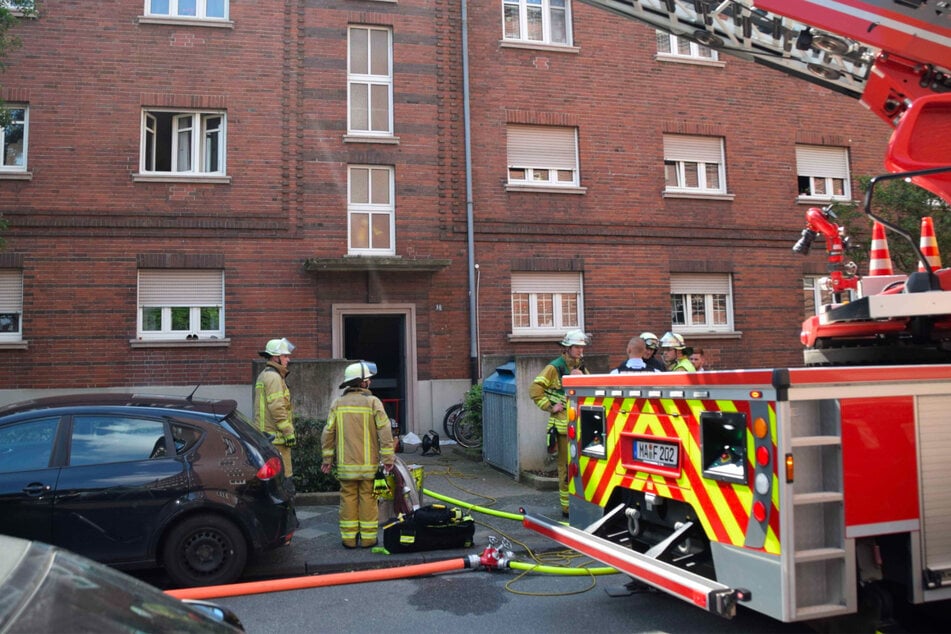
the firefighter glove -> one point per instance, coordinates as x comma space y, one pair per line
290, 441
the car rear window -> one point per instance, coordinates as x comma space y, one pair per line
100, 439
184, 438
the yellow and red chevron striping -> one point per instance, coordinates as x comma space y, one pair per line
722, 508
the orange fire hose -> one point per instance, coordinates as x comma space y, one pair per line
318, 581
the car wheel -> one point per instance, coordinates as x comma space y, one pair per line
204, 550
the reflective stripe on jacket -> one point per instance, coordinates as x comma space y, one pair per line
357, 435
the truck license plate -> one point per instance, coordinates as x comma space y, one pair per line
657, 453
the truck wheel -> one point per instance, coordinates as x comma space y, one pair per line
204, 550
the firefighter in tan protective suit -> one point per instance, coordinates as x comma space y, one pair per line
273, 413
358, 438
548, 395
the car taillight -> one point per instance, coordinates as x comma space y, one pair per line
270, 469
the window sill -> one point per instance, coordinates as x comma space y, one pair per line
180, 178
698, 195
539, 46
358, 138
175, 21
545, 189
824, 200
180, 343
695, 61
16, 176
14, 345
529, 338
707, 334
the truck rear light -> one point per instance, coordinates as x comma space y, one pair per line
572, 432
762, 456
271, 468
790, 468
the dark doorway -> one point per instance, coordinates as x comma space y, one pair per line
381, 339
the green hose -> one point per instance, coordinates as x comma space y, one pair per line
473, 507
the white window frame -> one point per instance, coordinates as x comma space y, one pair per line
516, 26
542, 156
817, 292
176, 290
688, 158
538, 302
364, 80
670, 46
23, 123
377, 203
818, 167
186, 148
11, 303
708, 292
176, 8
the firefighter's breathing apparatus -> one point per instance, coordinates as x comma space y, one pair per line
497, 555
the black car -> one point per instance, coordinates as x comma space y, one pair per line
46, 589
137, 481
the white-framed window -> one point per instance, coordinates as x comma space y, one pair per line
815, 295
197, 9
542, 21
181, 304
694, 164
701, 302
823, 172
11, 305
541, 155
13, 139
371, 210
370, 81
674, 46
185, 143
546, 303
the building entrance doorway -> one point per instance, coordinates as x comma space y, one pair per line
380, 337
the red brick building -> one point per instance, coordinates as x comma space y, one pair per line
185, 180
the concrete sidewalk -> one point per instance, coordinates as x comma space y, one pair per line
457, 474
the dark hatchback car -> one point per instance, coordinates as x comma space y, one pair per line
137, 481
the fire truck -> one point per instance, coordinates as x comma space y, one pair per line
802, 492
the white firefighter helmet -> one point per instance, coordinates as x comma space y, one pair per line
575, 338
277, 347
357, 371
652, 340
672, 340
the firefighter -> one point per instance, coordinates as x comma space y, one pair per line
548, 395
672, 346
358, 438
653, 344
273, 414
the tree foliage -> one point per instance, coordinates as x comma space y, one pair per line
903, 204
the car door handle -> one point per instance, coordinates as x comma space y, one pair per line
36, 489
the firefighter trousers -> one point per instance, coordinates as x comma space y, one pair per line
562, 461
359, 513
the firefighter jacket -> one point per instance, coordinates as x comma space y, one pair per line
358, 435
683, 364
546, 390
272, 403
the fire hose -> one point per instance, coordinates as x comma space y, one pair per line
495, 557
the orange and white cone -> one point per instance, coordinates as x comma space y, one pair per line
880, 260
929, 245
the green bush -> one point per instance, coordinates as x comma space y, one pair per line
306, 456
472, 404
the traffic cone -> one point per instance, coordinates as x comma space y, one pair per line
880, 261
929, 245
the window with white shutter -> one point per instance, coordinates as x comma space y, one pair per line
542, 155
823, 172
546, 303
11, 305
701, 303
694, 164
181, 304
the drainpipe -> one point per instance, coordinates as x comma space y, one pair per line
474, 370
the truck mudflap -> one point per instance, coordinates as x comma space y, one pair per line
683, 584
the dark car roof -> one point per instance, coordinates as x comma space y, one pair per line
219, 407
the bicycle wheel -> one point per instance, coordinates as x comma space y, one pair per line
449, 420
468, 433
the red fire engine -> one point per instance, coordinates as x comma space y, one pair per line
793, 491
